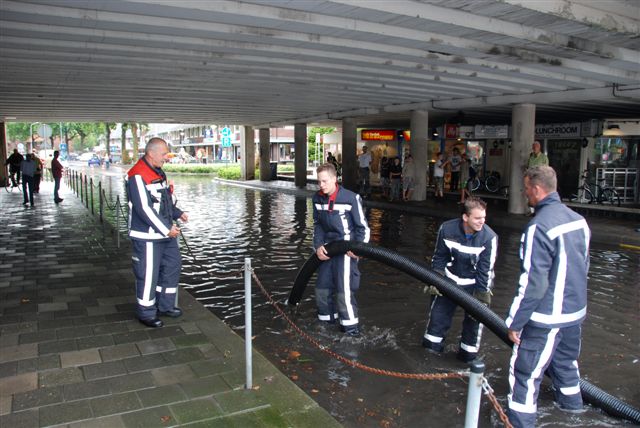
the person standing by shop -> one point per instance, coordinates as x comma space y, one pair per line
536, 157
466, 250
56, 172
37, 177
364, 163
385, 178
408, 177
28, 169
438, 175
395, 173
455, 161
545, 318
156, 256
337, 216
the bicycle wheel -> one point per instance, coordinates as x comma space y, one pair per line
474, 184
581, 196
492, 183
609, 197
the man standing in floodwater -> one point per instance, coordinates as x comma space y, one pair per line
337, 216
551, 303
466, 250
156, 256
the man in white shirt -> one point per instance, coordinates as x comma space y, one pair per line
364, 161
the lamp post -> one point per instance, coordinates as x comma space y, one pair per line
31, 134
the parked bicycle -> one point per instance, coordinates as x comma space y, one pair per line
604, 194
490, 183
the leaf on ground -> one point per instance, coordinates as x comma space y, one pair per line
294, 377
269, 379
315, 391
165, 419
294, 354
361, 400
25, 300
256, 387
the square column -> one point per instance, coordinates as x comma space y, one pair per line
3, 154
300, 160
523, 126
419, 137
349, 154
247, 153
265, 154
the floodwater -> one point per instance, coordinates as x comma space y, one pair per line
229, 223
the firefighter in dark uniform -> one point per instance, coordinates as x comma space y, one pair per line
337, 215
156, 256
546, 315
466, 250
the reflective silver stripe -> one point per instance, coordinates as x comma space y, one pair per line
346, 289
434, 339
559, 318
349, 322
151, 214
145, 235
571, 390
568, 227
324, 317
469, 348
463, 248
524, 276
336, 207
146, 299
561, 278
147, 303
458, 280
363, 220
492, 262
167, 291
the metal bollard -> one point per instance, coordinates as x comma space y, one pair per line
474, 395
86, 192
91, 185
118, 221
247, 323
100, 203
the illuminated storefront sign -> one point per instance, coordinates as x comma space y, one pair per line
558, 130
378, 134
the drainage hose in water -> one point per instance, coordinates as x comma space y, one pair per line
590, 393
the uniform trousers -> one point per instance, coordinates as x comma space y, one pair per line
555, 350
156, 266
338, 279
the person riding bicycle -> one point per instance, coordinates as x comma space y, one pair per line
14, 162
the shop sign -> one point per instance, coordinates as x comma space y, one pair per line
378, 134
491, 131
209, 140
571, 129
451, 131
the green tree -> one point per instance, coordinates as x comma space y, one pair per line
316, 155
123, 143
142, 127
108, 127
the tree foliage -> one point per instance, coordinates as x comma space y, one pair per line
311, 139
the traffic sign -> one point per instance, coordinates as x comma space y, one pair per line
225, 132
226, 141
44, 130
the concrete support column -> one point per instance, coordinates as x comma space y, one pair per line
300, 161
419, 137
247, 153
265, 154
3, 154
349, 154
523, 121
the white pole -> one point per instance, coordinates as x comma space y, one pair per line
247, 323
474, 394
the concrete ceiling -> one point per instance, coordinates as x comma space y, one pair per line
274, 62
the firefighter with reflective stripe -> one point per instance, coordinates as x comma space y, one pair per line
466, 250
337, 216
156, 256
545, 317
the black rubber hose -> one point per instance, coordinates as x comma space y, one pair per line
590, 393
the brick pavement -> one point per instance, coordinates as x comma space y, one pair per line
73, 355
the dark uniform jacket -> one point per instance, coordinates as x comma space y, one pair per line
554, 254
338, 217
466, 261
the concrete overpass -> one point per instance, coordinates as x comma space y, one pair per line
265, 63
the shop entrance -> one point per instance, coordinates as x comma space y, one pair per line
564, 158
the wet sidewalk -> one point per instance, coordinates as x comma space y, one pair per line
607, 227
72, 353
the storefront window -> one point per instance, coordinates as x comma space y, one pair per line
610, 153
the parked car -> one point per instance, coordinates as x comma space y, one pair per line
95, 160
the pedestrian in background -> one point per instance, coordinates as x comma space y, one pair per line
395, 173
385, 178
56, 172
536, 158
364, 163
466, 250
546, 315
337, 216
455, 161
156, 256
28, 169
438, 175
408, 177
14, 161
37, 177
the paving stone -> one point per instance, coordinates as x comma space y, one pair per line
240, 400
18, 352
9, 368
182, 356
204, 386
84, 390
102, 370
56, 347
131, 382
111, 328
27, 419
211, 367
52, 324
195, 410
37, 398
172, 374
113, 421
73, 332
144, 362
80, 358
166, 331
5, 404
161, 395
119, 352
16, 326
149, 418
189, 327
9, 340
60, 376
65, 413
117, 403
262, 418
55, 306
101, 310
95, 341
155, 346
38, 336
190, 340
18, 383
46, 362
133, 336
79, 290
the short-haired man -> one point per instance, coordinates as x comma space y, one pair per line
465, 252
337, 216
156, 256
14, 161
551, 302
364, 163
56, 172
536, 157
